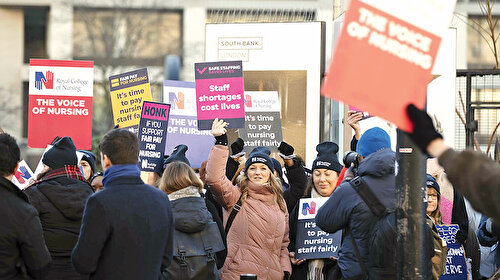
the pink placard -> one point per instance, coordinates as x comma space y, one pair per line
219, 93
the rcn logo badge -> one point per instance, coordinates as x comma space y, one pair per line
248, 100
323, 163
177, 100
46, 80
258, 159
311, 209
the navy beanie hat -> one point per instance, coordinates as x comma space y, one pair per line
327, 157
260, 155
432, 183
374, 139
62, 153
89, 157
178, 154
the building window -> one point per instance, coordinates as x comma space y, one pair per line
124, 37
480, 48
35, 32
250, 15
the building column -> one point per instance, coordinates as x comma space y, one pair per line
60, 31
12, 57
194, 19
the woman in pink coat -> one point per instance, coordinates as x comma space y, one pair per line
258, 237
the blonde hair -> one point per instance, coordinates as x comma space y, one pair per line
275, 183
177, 176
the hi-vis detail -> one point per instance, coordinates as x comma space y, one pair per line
309, 207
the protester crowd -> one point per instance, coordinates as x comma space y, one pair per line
239, 214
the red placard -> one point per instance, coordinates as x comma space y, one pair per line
60, 102
381, 64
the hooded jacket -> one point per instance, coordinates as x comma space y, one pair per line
345, 209
194, 230
21, 237
60, 198
258, 239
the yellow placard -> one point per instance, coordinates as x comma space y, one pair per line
127, 101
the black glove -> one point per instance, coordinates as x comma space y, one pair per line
237, 148
286, 151
221, 140
423, 128
287, 274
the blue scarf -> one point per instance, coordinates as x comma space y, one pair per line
120, 170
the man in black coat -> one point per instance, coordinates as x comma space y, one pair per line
127, 228
22, 247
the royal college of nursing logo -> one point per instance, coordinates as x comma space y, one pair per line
46, 80
177, 100
248, 100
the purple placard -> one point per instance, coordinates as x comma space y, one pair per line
184, 130
219, 93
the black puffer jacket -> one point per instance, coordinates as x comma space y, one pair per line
345, 208
60, 201
298, 181
21, 238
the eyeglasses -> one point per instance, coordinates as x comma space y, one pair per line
433, 196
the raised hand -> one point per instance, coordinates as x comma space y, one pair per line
353, 119
218, 127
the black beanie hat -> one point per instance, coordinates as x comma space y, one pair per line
178, 154
89, 157
259, 155
327, 157
62, 153
432, 183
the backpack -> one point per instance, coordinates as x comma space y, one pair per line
194, 255
382, 245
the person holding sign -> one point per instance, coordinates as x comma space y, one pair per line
59, 195
325, 173
433, 219
258, 239
473, 174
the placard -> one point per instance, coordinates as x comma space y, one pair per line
128, 91
23, 176
219, 93
262, 120
311, 241
182, 123
391, 46
60, 101
152, 135
456, 265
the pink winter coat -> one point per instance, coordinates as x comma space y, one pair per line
258, 239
